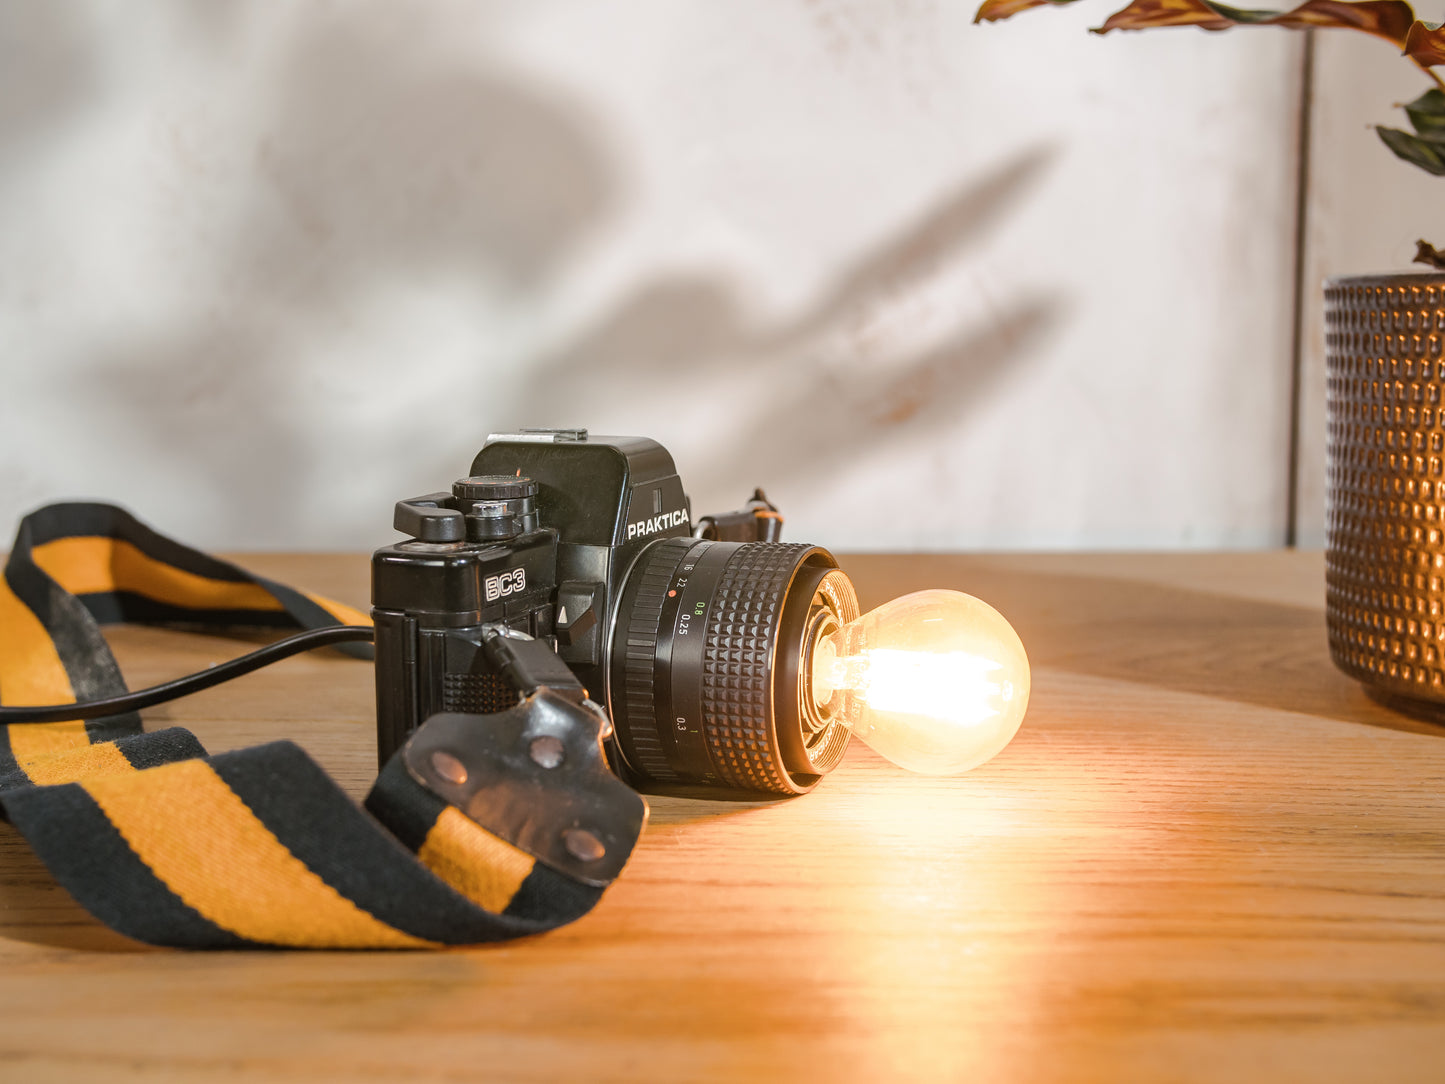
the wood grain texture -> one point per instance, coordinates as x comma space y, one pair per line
1207, 856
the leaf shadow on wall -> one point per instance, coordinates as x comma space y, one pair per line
838, 390
369, 176
45, 73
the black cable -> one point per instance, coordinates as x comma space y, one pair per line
191, 683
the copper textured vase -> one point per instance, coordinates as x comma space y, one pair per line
1385, 513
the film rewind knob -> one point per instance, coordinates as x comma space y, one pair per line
486, 508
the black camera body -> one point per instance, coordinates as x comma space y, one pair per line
697, 641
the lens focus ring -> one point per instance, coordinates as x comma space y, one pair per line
742, 629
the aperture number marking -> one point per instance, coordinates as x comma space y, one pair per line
685, 618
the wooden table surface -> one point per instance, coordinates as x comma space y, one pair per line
1206, 856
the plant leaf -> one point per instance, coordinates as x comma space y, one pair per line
991, 11
1425, 44
1142, 14
1428, 254
1412, 148
1388, 19
1393, 20
1427, 114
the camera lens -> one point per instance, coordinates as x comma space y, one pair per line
709, 664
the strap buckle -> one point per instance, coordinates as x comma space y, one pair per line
535, 774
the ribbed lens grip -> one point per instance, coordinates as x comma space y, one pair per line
741, 634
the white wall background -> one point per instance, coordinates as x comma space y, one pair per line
265, 269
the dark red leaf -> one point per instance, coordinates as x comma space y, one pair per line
1428, 254
1425, 44
991, 11
1388, 19
1142, 14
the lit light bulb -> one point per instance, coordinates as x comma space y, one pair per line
936, 681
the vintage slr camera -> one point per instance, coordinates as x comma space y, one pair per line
696, 640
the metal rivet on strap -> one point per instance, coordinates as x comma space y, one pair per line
547, 751
449, 767
583, 845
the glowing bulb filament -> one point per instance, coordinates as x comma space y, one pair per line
954, 686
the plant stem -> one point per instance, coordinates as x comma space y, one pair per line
1431, 73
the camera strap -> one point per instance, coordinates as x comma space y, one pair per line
257, 847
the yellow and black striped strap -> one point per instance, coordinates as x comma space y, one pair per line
254, 847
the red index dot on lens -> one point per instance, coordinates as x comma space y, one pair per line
672, 594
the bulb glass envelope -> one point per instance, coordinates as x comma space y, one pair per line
936, 681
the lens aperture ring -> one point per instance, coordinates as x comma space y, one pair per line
637, 725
